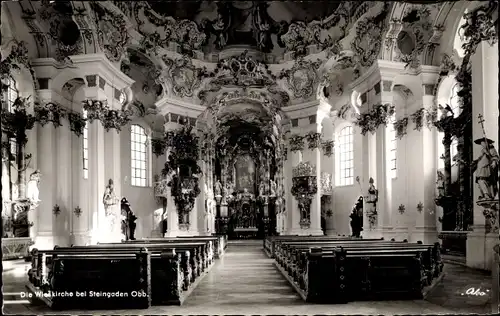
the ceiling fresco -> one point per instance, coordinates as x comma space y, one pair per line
218, 53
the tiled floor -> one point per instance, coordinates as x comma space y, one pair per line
245, 281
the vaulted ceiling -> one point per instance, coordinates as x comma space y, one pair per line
194, 51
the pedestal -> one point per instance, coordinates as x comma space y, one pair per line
480, 248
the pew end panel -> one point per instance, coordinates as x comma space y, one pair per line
96, 281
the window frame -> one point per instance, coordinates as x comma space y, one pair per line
139, 156
85, 147
345, 156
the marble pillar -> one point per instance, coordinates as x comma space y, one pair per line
293, 212
63, 184
112, 153
97, 183
315, 228
383, 183
422, 188
485, 102
80, 232
46, 237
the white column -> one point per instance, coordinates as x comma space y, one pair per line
80, 232
46, 237
485, 102
293, 211
112, 161
383, 183
315, 229
421, 149
97, 182
63, 184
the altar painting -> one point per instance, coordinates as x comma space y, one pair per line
245, 173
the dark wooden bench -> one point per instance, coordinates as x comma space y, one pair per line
214, 242
190, 260
201, 251
219, 241
271, 243
393, 261
95, 280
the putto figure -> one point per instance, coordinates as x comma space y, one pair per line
32, 191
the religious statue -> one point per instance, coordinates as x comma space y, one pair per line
356, 220
372, 192
32, 191
128, 220
273, 187
218, 188
486, 167
109, 197
262, 189
440, 183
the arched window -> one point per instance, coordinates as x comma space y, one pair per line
139, 156
85, 145
10, 94
346, 157
392, 147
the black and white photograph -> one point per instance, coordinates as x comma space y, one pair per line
250, 157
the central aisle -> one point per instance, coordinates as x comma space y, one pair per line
244, 276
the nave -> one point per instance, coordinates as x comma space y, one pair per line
245, 281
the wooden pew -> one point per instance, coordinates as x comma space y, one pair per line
201, 251
95, 280
294, 254
344, 273
166, 259
270, 243
216, 247
200, 259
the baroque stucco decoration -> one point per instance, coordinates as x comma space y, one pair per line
302, 78
112, 33
367, 42
183, 76
241, 71
159, 31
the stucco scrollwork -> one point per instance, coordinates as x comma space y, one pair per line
183, 76
302, 77
112, 33
367, 41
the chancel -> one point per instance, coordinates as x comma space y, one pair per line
234, 157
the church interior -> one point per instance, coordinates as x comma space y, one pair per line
242, 157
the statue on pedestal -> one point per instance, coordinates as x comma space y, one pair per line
32, 191
109, 200
218, 188
128, 220
262, 189
440, 184
273, 188
486, 167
